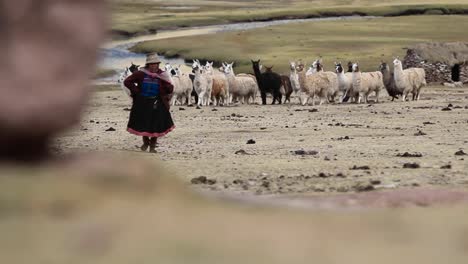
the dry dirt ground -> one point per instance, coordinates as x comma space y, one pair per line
298, 149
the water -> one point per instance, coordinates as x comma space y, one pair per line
116, 54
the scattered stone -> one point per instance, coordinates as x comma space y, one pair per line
420, 133
251, 141
242, 152
110, 129
127, 109
410, 155
266, 184
360, 168
340, 175
198, 107
363, 187
326, 158
446, 167
375, 182
428, 123
319, 188
305, 152
415, 183
446, 109
460, 153
199, 180
214, 110
322, 175
411, 166
237, 181
313, 110
263, 128
181, 109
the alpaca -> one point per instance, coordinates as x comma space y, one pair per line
345, 81
294, 78
365, 83
311, 85
202, 87
242, 86
332, 90
389, 81
268, 82
178, 92
127, 72
185, 83
409, 80
220, 85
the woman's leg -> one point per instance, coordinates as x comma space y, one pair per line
146, 144
153, 142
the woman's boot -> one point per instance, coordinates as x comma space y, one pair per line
146, 144
153, 143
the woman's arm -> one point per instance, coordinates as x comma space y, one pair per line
132, 81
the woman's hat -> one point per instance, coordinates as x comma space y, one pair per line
152, 58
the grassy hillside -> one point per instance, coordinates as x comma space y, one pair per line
366, 41
140, 17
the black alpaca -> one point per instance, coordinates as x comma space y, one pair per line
389, 81
268, 82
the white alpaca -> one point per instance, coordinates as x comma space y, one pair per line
364, 83
121, 80
345, 81
242, 87
178, 92
185, 85
409, 80
219, 85
294, 77
202, 88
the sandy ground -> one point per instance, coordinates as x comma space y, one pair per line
339, 142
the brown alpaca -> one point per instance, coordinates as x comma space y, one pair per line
219, 91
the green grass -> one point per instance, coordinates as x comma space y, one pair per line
104, 73
139, 17
366, 41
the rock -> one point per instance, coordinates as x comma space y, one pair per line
420, 133
181, 109
446, 109
411, 166
319, 188
375, 182
313, 110
460, 153
360, 167
363, 187
251, 141
410, 155
198, 107
214, 110
265, 184
127, 109
241, 152
446, 167
304, 152
199, 180
110, 129
322, 175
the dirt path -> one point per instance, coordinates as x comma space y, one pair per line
336, 139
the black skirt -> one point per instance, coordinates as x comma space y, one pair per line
149, 117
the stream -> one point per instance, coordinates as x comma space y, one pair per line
116, 55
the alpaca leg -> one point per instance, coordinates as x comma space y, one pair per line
263, 94
377, 96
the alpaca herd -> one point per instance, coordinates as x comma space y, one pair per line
222, 86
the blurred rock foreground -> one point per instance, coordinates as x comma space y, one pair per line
97, 209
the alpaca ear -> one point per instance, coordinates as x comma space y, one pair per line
232, 63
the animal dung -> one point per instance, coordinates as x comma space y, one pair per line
110, 129
420, 133
411, 166
203, 180
410, 155
360, 167
460, 153
305, 152
250, 141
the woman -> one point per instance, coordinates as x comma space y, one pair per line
151, 90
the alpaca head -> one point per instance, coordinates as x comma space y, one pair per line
356, 67
338, 67
384, 67
256, 65
292, 66
133, 68
268, 69
397, 62
196, 64
177, 71
350, 66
